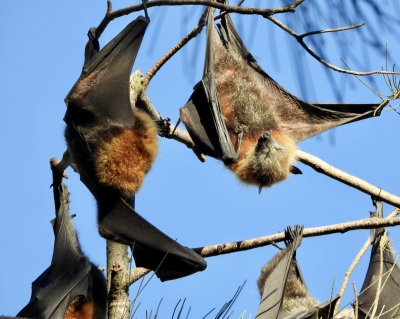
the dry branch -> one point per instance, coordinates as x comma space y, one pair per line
157, 66
368, 223
300, 37
324, 168
118, 281
111, 14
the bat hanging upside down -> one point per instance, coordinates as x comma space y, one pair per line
72, 287
389, 296
240, 115
283, 291
113, 147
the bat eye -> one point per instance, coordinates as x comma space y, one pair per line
265, 136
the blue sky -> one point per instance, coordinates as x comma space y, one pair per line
198, 203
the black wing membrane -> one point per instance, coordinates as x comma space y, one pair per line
106, 77
202, 113
69, 275
151, 249
389, 298
282, 267
274, 287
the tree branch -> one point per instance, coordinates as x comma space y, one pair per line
137, 273
300, 37
111, 14
368, 223
118, 281
324, 168
157, 66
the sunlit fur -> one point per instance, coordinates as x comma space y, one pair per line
244, 99
121, 155
267, 166
296, 296
123, 162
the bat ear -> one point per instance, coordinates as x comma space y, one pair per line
295, 170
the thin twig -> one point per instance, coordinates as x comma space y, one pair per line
300, 37
227, 248
356, 301
379, 284
157, 66
324, 168
350, 271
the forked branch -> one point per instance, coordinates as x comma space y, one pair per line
300, 39
111, 14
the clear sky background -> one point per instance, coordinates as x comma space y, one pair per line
199, 203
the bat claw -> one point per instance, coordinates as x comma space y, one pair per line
163, 126
294, 235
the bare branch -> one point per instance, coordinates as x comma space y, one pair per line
368, 223
157, 66
356, 301
117, 281
300, 37
137, 273
222, 249
111, 14
324, 168
350, 271
379, 284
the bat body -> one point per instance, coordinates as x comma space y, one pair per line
240, 115
389, 298
72, 287
283, 291
113, 147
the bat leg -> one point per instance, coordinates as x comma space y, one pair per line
151, 248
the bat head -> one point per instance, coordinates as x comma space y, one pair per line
266, 158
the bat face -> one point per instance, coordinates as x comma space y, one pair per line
72, 285
389, 297
250, 104
113, 146
283, 291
